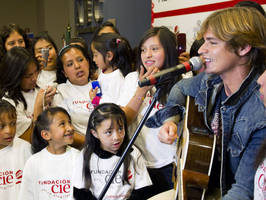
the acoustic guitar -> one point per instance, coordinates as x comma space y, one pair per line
195, 152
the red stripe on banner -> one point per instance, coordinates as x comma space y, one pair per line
198, 9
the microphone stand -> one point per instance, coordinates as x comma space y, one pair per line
131, 142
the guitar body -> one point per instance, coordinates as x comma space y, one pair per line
195, 153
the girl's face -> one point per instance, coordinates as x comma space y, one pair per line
60, 134
99, 59
29, 79
111, 134
7, 129
76, 67
152, 53
262, 82
43, 44
14, 40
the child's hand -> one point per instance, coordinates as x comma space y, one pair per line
151, 70
142, 75
40, 60
95, 100
44, 97
49, 95
93, 93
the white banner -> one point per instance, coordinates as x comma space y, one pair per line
187, 15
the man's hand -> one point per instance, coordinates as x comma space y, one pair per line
168, 133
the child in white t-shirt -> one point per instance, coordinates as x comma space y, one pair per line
157, 48
73, 76
45, 51
113, 56
18, 77
260, 176
48, 173
106, 140
14, 153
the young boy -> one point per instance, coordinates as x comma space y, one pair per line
14, 152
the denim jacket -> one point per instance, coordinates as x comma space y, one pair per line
243, 118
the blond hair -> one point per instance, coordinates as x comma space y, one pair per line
238, 27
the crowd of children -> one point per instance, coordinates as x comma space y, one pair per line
67, 116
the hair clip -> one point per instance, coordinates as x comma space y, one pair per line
68, 46
118, 41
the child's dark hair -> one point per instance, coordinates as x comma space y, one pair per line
82, 41
12, 69
102, 26
43, 36
119, 46
103, 112
261, 155
60, 77
5, 33
6, 107
251, 4
43, 122
169, 43
195, 47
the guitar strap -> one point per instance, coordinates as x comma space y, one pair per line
212, 104
216, 126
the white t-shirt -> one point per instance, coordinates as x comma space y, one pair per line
48, 176
101, 170
46, 78
76, 100
260, 182
111, 86
155, 153
24, 117
129, 88
12, 161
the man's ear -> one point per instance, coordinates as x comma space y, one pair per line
242, 51
94, 133
109, 55
45, 135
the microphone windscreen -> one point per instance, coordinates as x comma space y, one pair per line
196, 63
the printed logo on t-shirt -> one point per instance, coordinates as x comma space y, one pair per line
28, 114
129, 175
100, 174
261, 174
215, 123
79, 105
10, 178
60, 189
18, 176
157, 105
117, 190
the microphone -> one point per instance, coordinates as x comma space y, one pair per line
194, 63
